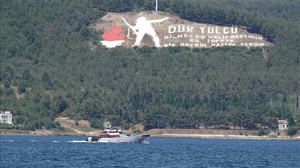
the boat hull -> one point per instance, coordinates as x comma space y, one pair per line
125, 139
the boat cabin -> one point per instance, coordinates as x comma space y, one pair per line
111, 133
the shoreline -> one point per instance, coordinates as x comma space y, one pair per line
154, 135
236, 137
83, 128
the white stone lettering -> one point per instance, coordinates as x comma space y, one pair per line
202, 29
172, 29
195, 40
222, 44
225, 30
181, 28
169, 45
234, 30
217, 30
252, 44
210, 30
190, 29
193, 44
176, 32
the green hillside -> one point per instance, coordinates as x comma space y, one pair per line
45, 52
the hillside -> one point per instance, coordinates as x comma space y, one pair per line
46, 56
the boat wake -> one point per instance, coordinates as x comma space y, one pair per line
75, 141
146, 141
6, 140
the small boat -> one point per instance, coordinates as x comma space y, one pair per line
115, 135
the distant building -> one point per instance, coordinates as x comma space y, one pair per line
283, 125
5, 117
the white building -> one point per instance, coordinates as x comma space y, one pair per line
282, 125
5, 117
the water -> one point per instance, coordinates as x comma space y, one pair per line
68, 151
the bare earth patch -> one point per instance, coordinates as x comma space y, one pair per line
83, 126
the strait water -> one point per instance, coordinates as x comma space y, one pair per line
69, 151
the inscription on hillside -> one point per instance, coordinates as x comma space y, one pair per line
163, 30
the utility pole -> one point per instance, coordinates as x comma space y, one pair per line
156, 5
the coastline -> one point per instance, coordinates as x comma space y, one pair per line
152, 133
237, 137
83, 128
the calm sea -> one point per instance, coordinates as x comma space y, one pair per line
69, 151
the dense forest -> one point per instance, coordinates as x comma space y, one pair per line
47, 58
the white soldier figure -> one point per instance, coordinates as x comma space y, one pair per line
143, 27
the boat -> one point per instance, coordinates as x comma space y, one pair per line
115, 135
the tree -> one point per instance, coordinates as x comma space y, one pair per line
97, 123
21, 87
47, 50
291, 131
60, 104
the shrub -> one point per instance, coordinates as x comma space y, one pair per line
291, 131
21, 87
96, 123
18, 120
6, 126
6, 84
145, 49
38, 124
61, 128
48, 125
196, 50
261, 132
57, 124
